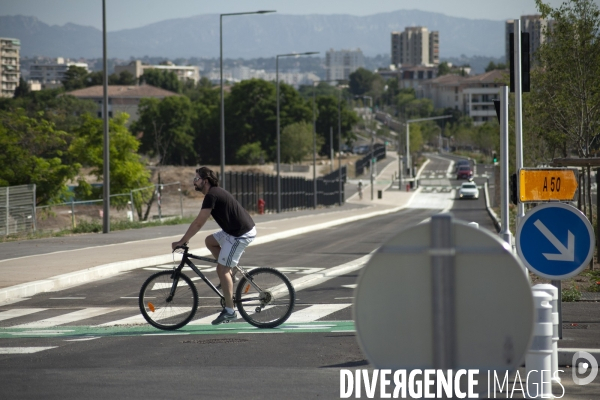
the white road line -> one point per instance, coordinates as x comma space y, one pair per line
139, 319
23, 350
68, 318
19, 312
315, 312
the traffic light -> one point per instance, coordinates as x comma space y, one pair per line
513, 189
525, 79
495, 157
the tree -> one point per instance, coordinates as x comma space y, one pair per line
328, 117
251, 153
127, 171
23, 88
33, 152
166, 130
75, 78
361, 81
493, 66
296, 142
443, 68
565, 97
164, 79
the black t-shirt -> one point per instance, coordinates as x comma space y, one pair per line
227, 212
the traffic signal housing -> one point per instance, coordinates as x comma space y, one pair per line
495, 157
513, 189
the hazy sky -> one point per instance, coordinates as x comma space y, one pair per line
124, 14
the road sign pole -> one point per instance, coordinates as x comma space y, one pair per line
518, 109
505, 233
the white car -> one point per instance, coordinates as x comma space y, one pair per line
468, 190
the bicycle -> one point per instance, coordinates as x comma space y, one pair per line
168, 299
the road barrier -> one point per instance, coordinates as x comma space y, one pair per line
539, 356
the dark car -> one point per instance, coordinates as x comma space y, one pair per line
461, 163
464, 172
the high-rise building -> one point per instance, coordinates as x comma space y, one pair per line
416, 46
10, 70
532, 24
340, 64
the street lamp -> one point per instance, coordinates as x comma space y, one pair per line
106, 155
278, 134
339, 133
222, 96
371, 163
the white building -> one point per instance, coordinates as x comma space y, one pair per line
416, 46
340, 64
10, 71
238, 74
472, 95
136, 68
51, 75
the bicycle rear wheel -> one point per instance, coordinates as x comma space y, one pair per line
272, 305
162, 311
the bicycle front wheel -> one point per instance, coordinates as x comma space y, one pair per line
162, 310
270, 305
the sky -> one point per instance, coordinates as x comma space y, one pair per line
127, 14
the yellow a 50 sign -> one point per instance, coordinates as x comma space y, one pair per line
547, 184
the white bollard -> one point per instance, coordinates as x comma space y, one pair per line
552, 291
539, 357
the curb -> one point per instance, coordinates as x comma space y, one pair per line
25, 290
491, 212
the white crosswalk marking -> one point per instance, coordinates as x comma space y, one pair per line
23, 350
315, 312
20, 312
68, 318
139, 319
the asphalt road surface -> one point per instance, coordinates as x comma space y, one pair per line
79, 342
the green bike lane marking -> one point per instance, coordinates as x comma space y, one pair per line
224, 329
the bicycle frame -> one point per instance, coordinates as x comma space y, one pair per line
186, 261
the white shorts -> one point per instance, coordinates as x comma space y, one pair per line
233, 247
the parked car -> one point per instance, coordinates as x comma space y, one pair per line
468, 190
464, 172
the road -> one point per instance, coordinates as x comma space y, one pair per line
82, 342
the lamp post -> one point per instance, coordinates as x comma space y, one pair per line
222, 96
371, 163
278, 133
106, 150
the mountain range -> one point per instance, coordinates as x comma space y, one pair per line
254, 36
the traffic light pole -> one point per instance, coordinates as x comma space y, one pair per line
518, 109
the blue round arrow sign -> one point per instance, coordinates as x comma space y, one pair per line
555, 240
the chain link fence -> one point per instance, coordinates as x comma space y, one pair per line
17, 209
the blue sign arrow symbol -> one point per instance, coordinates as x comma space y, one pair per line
566, 253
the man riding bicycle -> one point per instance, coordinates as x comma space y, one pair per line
227, 245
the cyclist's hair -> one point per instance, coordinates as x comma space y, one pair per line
207, 173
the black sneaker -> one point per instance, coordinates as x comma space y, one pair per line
224, 317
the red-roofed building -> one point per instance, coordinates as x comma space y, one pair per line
121, 98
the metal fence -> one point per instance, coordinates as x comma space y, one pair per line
17, 209
379, 153
296, 192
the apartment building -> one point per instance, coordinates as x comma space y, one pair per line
473, 95
50, 76
535, 25
136, 68
121, 98
10, 71
416, 46
340, 64
410, 76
